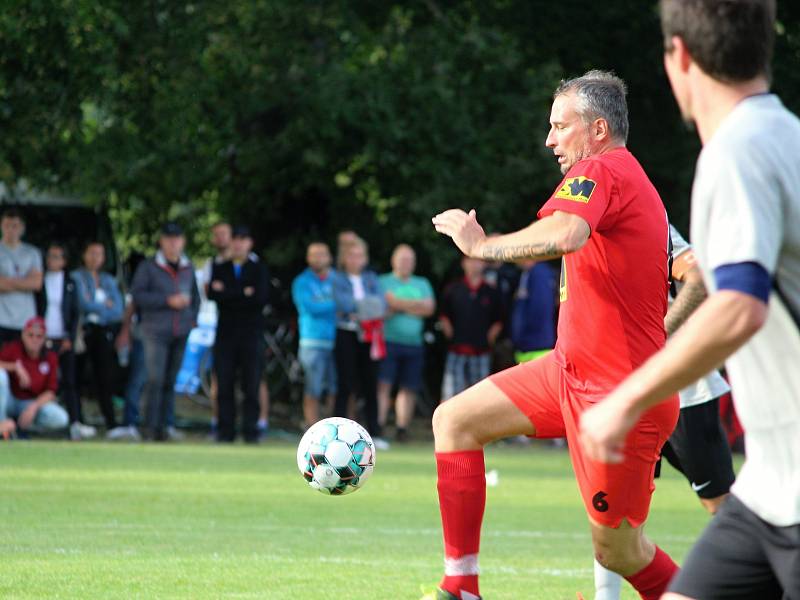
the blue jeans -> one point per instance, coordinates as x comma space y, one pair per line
162, 360
49, 417
319, 371
137, 378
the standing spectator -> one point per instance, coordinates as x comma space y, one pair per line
410, 300
240, 287
20, 275
29, 380
533, 318
57, 303
312, 293
360, 306
471, 319
343, 239
165, 291
100, 303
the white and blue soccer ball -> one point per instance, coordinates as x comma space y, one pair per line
336, 456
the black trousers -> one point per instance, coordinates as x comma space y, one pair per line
67, 386
100, 351
356, 372
238, 350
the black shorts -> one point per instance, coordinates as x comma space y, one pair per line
740, 556
699, 449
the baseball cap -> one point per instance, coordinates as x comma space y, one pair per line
241, 231
35, 322
171, 229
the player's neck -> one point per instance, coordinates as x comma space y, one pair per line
717, 100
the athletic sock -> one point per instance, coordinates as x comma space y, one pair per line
462, 499
607, 584
652, 581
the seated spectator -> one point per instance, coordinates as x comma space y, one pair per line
165, 292
240, 287
100, 303
57, 303
533, 318
29, 380
360, 308
410, 300
471, 319
20, 275
312, 293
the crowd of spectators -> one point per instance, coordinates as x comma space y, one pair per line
361, 333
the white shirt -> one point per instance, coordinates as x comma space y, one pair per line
746, 208
53, 317
712, 385
358, 287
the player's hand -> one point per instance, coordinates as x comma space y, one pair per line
463, 227
603, 428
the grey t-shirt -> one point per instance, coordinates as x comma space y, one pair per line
17, 307
746, 208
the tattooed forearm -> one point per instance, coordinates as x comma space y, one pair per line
495, 251
688, 299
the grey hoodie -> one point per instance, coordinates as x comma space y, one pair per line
153, 283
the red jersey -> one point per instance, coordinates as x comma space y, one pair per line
614, 289
42, 370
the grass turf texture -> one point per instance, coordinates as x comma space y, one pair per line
94, 520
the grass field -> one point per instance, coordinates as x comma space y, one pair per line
95, 520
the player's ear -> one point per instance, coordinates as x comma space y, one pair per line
599, 129
679, 53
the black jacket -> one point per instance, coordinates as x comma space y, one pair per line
70, 310
237, 310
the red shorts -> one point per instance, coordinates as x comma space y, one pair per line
611, 492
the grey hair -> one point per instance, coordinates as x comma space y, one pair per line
600, 95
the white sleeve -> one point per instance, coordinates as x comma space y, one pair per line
740, 198
679, 244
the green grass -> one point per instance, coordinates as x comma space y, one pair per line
96, 520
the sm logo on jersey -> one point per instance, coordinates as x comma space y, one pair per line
577, 189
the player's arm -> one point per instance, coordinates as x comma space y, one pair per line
719, 327
692, 294
550, 237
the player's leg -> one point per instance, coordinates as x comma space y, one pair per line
504, 405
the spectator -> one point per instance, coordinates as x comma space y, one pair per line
360, 307
343, 239
410, 300
505, 278
240, 287
29, 380
471, 319
20, 275
165, 291
57, 303
312, 293
100, 303
533, 318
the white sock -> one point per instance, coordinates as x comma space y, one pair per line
607, 584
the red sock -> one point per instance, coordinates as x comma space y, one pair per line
652, 581
462, 498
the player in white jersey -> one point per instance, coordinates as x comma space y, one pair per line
746, 235
698, 447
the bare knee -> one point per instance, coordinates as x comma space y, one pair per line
625, 555
452, 428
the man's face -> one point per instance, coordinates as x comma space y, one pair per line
55, 260
473, 267
12, 228
221, 237
355, 258
318, 257
403, 262
94, 257
678, 80
33, 339
569, 135
172, 245
241, 246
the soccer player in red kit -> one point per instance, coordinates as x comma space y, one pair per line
606, 220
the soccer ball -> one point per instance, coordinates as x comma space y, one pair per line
336, 456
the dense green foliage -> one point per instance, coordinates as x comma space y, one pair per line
306, 117
92, 520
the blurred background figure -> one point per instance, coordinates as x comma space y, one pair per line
471, 318
240, 287
100, 303
57, 303
29, 381
20, 275
535, 312
360, 307
312, 293
410, 301
165, 291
